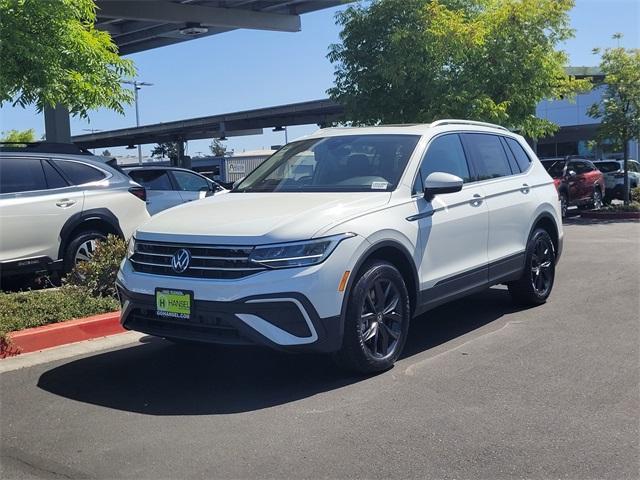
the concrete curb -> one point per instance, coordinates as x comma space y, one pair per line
62, 333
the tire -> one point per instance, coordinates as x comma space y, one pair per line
564, 204
373, 339
80, 248
535, 284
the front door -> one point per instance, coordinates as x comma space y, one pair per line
453, 227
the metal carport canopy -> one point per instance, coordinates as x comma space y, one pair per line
138, 25
229, 124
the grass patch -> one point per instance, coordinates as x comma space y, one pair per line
42, 307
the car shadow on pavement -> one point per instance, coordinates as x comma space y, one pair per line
160, 378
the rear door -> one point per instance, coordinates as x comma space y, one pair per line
580, 185
36, 200
510, 199
191, 185
161, 193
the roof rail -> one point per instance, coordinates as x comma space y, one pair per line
43, 147
448, 121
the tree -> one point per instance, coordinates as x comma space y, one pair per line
405, 61
106, 153
51, 53
18, 136
619, 107
166, 149
218, 149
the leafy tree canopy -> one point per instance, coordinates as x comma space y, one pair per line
51, 53
619, 107
403, 61
218, 149
166, 149
19, 136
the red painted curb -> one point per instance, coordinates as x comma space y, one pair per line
611, 215
61, 333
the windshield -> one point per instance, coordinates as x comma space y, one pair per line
554, 167
606, 167
349, 163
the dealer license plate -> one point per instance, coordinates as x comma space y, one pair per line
174, 303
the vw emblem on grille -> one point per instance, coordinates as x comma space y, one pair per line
180, 260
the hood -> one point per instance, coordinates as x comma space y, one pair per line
258, 218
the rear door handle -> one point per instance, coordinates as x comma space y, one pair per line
65, 203
525, 188
477, 200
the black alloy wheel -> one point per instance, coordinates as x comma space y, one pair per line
381, 318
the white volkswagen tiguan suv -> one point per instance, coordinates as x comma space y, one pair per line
336, 241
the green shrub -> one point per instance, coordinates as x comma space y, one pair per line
619, 207
41, 307
635, 194
98, 276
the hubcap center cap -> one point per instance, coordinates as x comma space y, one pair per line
379, 317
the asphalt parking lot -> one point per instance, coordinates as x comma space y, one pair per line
484, 390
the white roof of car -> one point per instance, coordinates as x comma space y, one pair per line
410, 129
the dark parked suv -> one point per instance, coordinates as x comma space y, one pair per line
578, 181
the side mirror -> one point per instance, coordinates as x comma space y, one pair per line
572, 173
438, 183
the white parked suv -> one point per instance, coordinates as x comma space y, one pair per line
339, 239
56, 202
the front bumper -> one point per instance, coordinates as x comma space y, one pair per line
284, 321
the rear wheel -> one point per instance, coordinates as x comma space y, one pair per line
596, 200
536, 282
377, 320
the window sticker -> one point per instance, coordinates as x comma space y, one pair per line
379, 185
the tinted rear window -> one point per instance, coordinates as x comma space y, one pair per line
554, 167
21, 175
521, 156
488, 155
54, 179
606, 167
79, 173
152, 179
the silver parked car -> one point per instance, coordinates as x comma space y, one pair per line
171, 186
613, 171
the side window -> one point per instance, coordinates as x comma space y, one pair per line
21, 175
152, 179
521, 156
444, 154
79, 173
488, 155
515, 168
54, 179
190, 182
633, 167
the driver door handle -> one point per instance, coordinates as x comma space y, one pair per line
525, 188
477, 200
65, 203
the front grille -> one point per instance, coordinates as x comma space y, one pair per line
207, 261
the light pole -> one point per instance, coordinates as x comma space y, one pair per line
92, 130
137, 86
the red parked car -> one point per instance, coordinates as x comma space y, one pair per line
578, 181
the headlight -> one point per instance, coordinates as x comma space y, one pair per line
297, 254
131, 247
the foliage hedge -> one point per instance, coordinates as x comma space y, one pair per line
88, 290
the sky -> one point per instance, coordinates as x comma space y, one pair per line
248, 69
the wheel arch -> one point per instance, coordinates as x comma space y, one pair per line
100, 219
394, 253
546, 221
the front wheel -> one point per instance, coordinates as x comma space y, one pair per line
377, 320
596, 200
564, 204
535, 284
